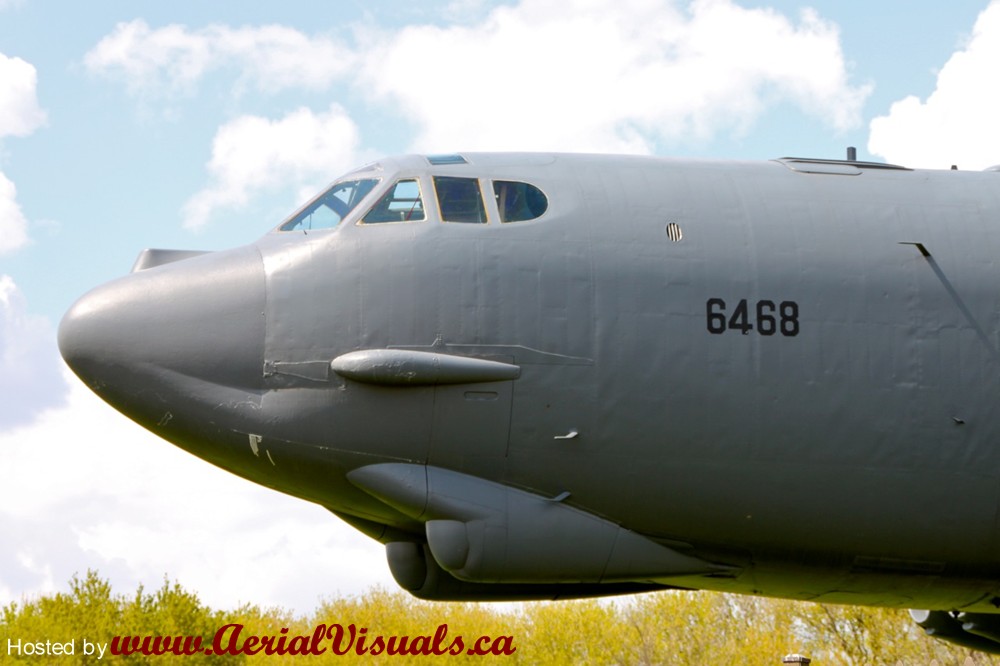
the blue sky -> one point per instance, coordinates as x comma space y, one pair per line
133, 124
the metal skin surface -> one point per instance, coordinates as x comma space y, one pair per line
797, 398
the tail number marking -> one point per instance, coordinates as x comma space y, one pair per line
765, 317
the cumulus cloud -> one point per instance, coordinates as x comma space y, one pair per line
252, 154
956, 124
603, 75
113, 497
30, 376
13, 225
20, 115
610, 74
175, 58
596, 74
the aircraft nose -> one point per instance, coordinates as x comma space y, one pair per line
170, 330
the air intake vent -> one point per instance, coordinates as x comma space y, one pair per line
674, 232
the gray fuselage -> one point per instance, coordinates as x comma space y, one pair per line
786, 370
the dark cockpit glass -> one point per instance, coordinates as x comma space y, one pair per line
328, 209
519, 202
460, 199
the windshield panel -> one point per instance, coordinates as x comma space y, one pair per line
328, 209
402, 203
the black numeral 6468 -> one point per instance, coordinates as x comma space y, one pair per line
765, 317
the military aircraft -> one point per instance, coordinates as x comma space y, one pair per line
552, 375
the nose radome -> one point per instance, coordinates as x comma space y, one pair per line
200, 318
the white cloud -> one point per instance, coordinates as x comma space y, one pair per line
604, 75
13, 225
175, 58
253, 154
594, 74
20, 114
84, 487
957, 122
30, 376
609, 74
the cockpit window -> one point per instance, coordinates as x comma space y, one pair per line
402, 203
519, 202
460, 199
441, 160
328, 209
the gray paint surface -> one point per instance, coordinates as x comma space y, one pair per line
838, 440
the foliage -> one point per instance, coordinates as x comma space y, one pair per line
90, 611
662, 628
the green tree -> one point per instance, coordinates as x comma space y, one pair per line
677, 627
